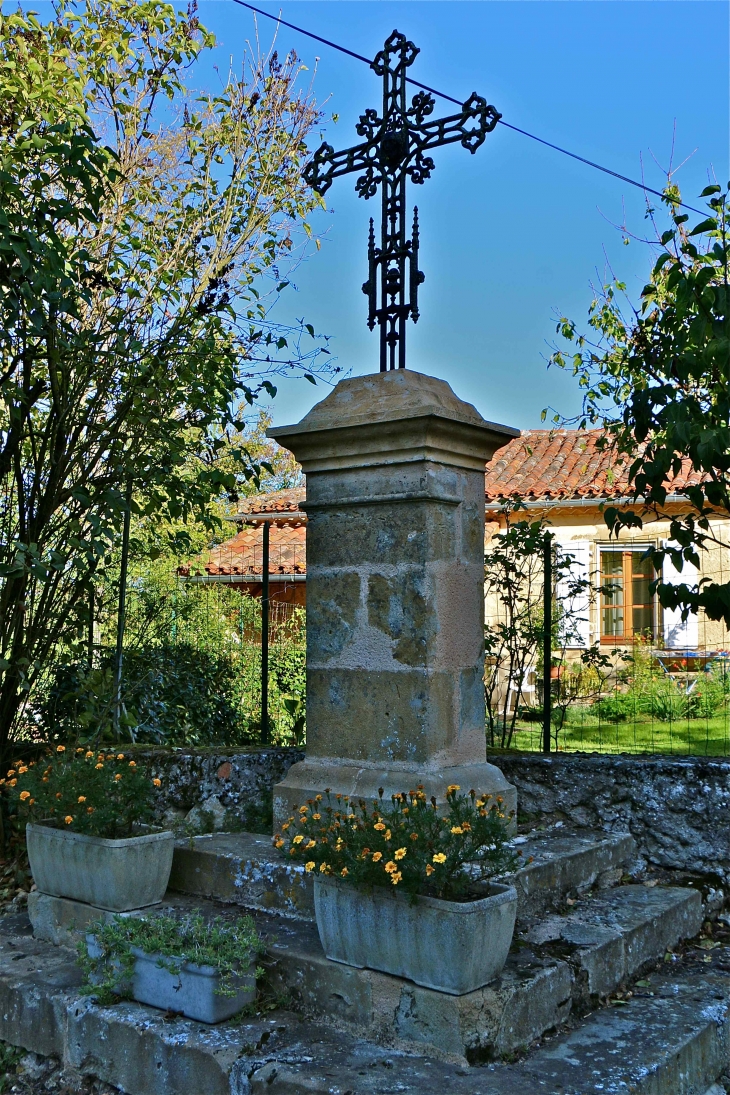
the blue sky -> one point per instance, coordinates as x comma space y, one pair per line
516, 233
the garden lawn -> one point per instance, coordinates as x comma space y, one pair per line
683, 737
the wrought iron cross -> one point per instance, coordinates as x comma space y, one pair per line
394, 149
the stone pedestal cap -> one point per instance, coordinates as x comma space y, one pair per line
354, 425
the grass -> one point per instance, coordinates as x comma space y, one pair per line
681, 737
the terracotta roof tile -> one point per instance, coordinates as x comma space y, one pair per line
563, 464
243, 555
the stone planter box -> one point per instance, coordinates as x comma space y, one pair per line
116, 875
193, 991
450, 946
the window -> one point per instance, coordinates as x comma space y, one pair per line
627, 607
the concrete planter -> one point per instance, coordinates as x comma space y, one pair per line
117, 875
450, 946
193, 990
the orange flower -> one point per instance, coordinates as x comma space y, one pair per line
80, 749
24, 795
82, 798
396, 877
68, 819
132, 763
120, 756
58, 794
89, 809
158, 783
88, 755
377, 856
11, 772
429, 869
98, 765
12, 782
344, 872
22, 770
117, 777
61, 749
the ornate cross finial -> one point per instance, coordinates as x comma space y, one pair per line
394, 149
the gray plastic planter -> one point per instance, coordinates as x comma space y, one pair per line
193, 991
451, 946
117, 875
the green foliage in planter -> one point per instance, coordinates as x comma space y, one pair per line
228, 946
408, 843
86, 791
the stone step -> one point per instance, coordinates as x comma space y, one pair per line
671, 1041
244, 868
561, 964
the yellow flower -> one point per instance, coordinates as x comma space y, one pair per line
117, 777
11, 772
12, 782
285, 826
387, 834
80, 749
400, 853
390, 866
317, 817
120, 756
98, 765
344, 872
452, 788
82, 798
157, 783
324, 867
457, 829
379, 826
439, 857
429, 869
395, 878
317, 798
309, 866
68, 819
298, 839
303, 809
377, 856
24, 795
312, 844
132, 763
279, 843
61, 749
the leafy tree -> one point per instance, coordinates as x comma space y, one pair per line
141, 236
656, 379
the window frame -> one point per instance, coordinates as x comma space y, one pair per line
627, 551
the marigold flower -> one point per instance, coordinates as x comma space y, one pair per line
285, 826
82, 798
44, 780
414, 836
68, 819
117, 777
344, 872
31, 802
452, 788
58, 794
132, 763
317, 798
12, 782
439, 857
387, 834
465, 825
90, 809
324, 867
24, 795
88, 755
317, 817
298, 839
379, 826
120, 756
400, 853
279, 843
2, 781
157, 783
98, 765
377, 856
61, 749
390, 866
11, 772
303, 809
395, 878
312, 844
80, 749
22, 770
457, 829
309, 866
429, 869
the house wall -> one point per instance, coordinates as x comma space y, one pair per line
587, 523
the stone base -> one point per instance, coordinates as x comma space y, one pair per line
61, 921
310, 777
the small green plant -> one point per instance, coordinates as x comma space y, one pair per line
228, 946
667, 703
615, 708
408, 842
9, 1059
85, 791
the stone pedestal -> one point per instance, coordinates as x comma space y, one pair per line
395, 590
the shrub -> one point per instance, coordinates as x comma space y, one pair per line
667, 703
101, 794
407, 843
615, 708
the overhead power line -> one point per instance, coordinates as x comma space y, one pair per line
451, 99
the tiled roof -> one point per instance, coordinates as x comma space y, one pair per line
279, 501
243, 555
563, 464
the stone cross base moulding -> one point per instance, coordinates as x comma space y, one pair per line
395, 591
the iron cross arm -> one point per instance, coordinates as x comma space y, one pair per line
389, 149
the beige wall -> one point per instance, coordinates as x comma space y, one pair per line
587, 523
